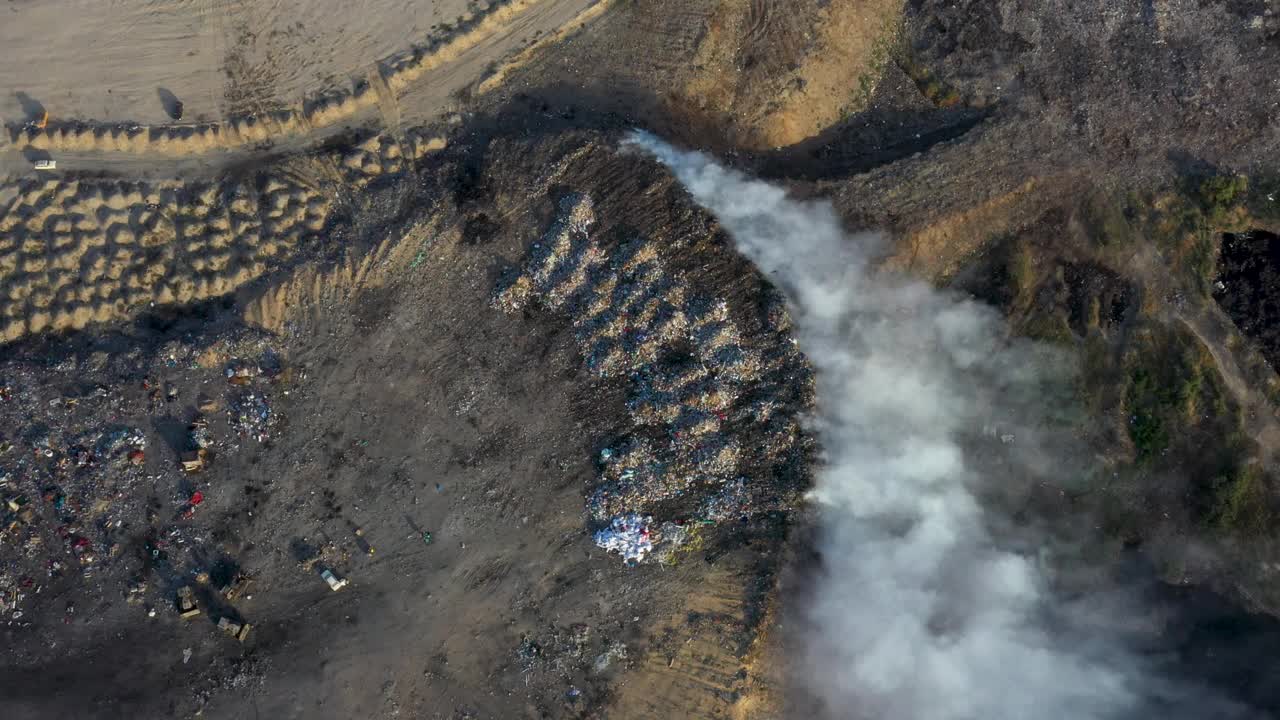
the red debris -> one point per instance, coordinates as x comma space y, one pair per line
197, 497
137, 457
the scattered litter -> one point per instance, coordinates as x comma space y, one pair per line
616, 651
198, 434
251, 416
241, 373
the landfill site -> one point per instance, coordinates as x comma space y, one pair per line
732, 359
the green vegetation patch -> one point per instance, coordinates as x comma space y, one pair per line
1185, 222
1240, 502
1174, 392
1108, 221
1220, 196
928, 83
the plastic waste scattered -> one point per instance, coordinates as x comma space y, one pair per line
629, 536
251, 416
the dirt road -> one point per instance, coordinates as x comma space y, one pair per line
170, 73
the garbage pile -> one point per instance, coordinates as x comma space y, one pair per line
696, 379
251, 415
732, 500
629, 536
121, 445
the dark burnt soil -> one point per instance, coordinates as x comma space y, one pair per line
1249, 273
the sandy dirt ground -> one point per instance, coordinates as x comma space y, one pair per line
116, 59
272, 89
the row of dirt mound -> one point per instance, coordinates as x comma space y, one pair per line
76, 251
712, 408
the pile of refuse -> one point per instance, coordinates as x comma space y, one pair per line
251, 415
628, 535
698, 384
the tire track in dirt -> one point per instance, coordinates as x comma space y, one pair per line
758, 18
258, 118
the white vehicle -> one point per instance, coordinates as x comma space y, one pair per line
46, 165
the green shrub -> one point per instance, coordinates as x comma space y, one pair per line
1221, 194
1240, 502
1146, 426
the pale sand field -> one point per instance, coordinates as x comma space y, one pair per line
106, 60
414, 84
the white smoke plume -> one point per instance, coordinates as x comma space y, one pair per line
919, 613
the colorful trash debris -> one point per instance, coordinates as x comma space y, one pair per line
629, 536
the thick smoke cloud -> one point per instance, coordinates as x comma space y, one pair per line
919, 613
